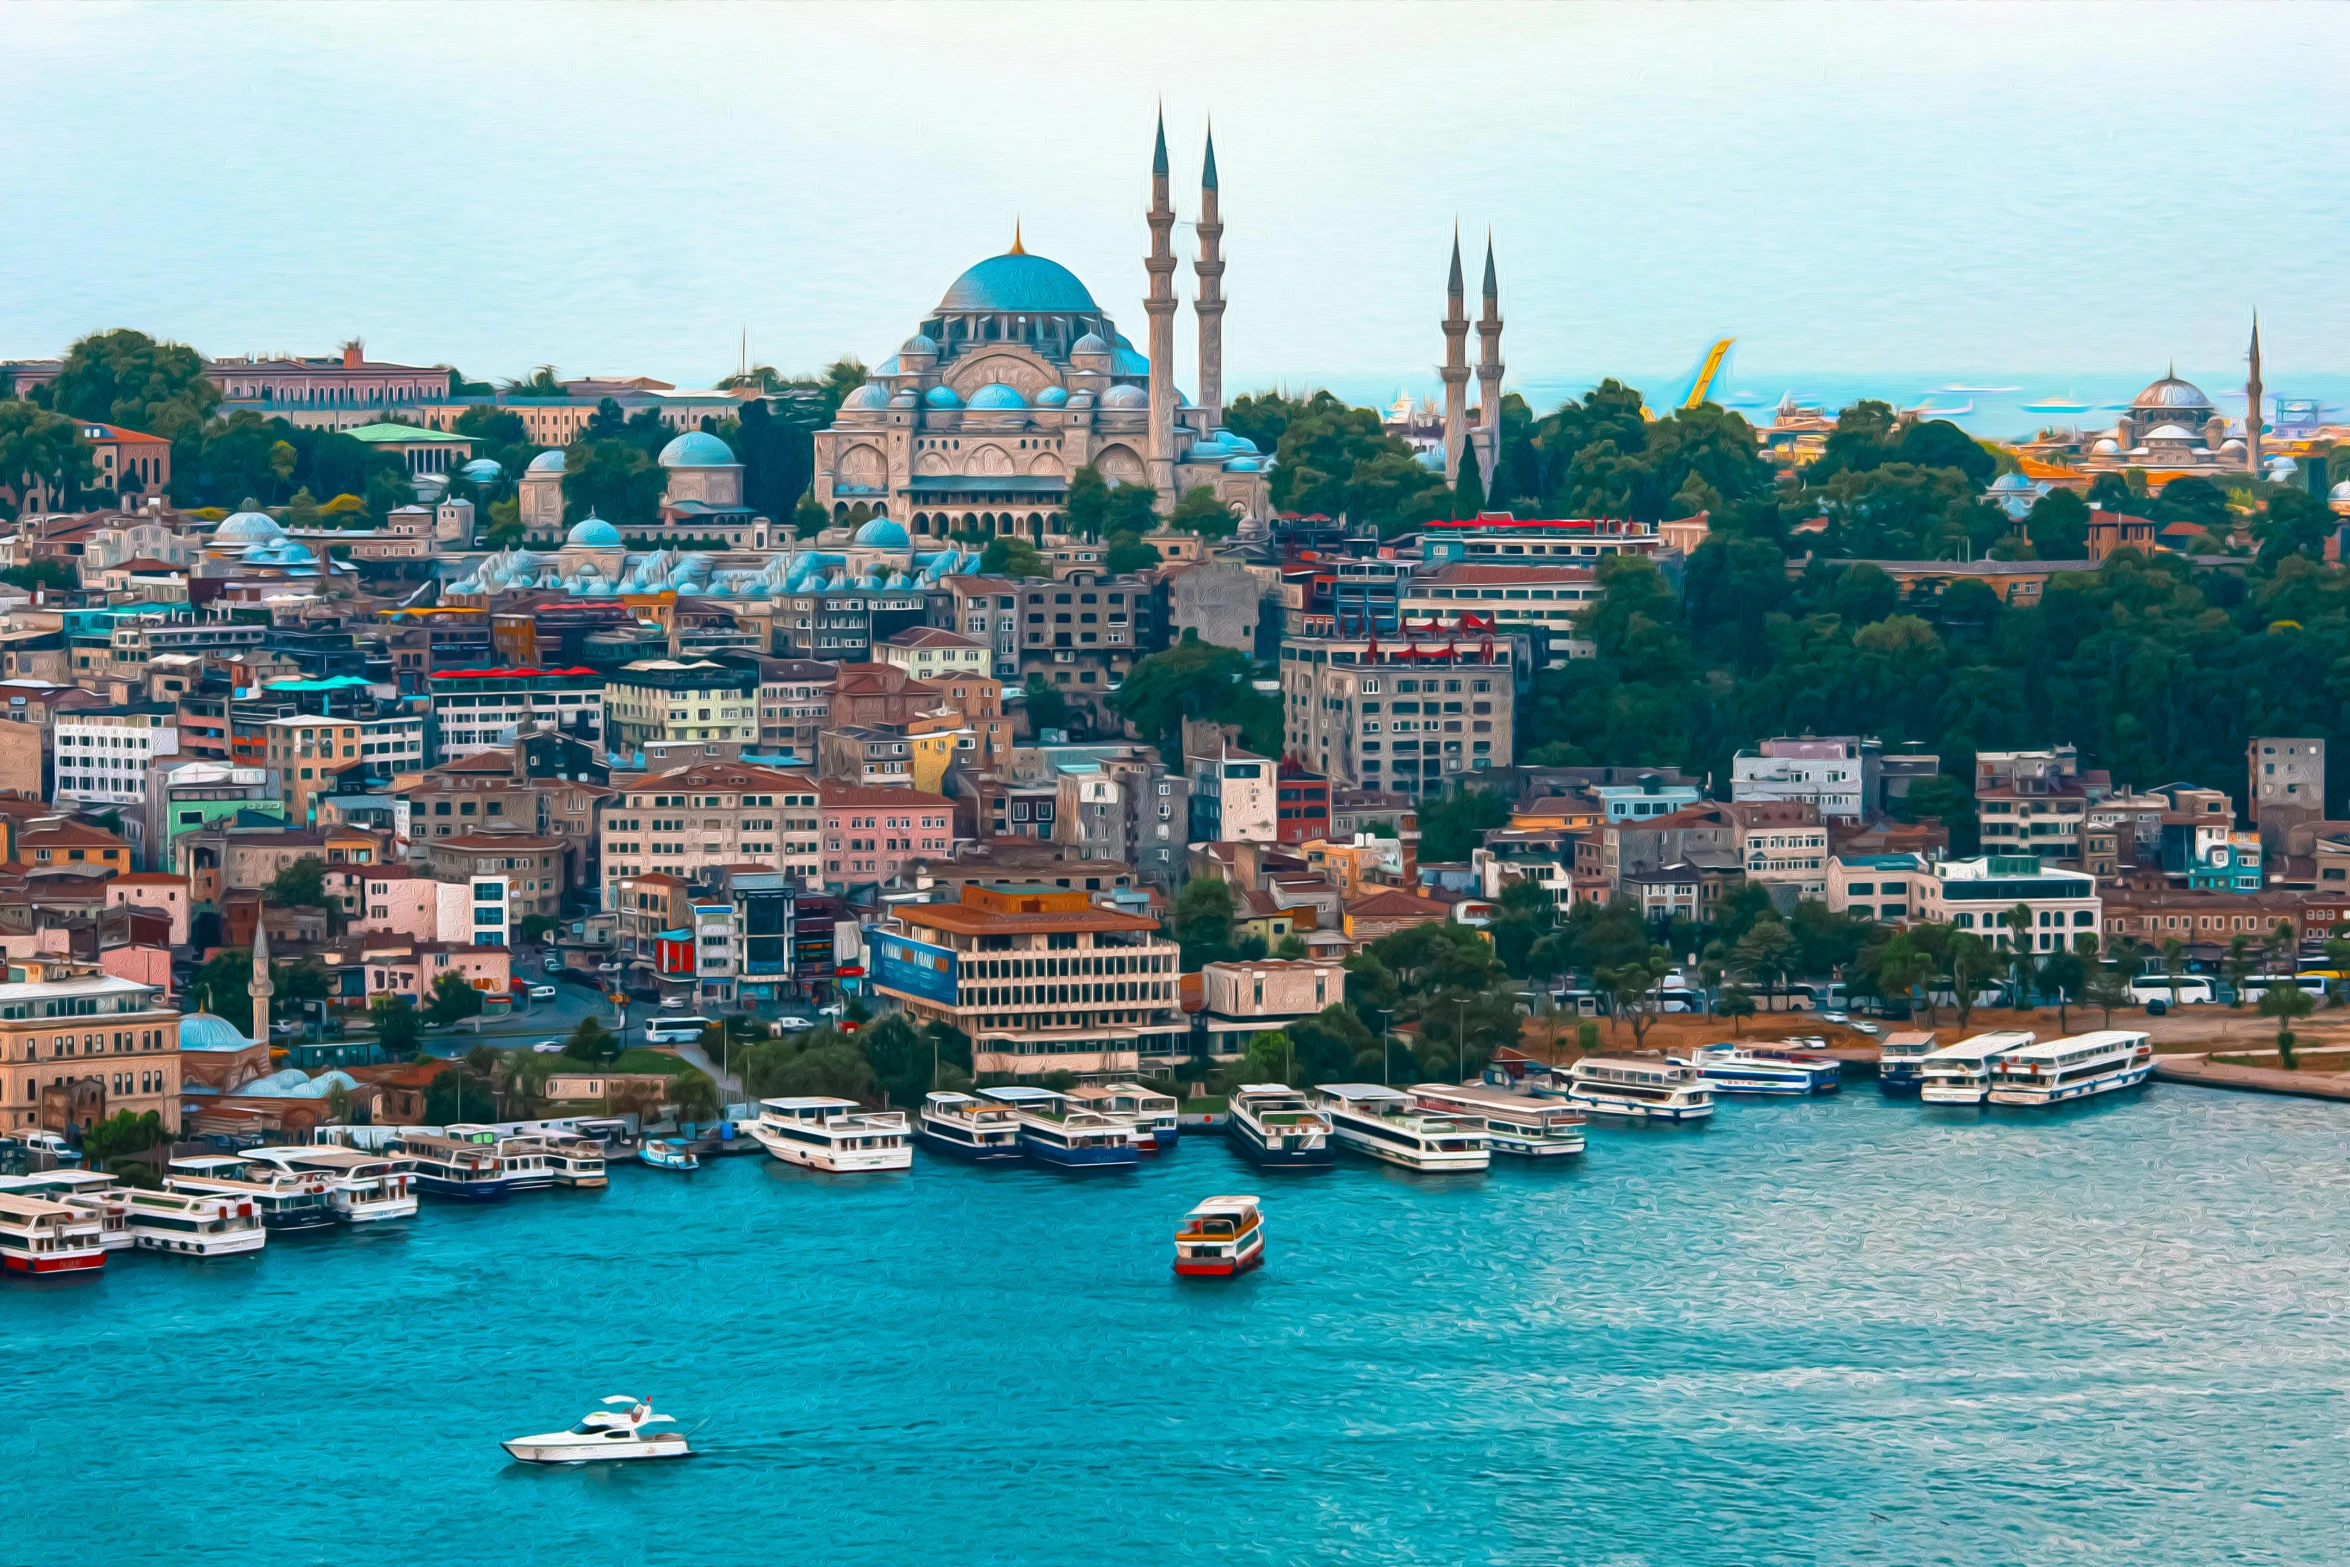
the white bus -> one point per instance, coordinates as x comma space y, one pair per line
2194, 989
674, 1030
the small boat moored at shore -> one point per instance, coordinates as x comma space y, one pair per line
1220, 1238
972, 1130
669, 1153
1053, 1130
1516, 1124
1274, 1127
833, 1135
1729, 1069
605, 1435
1156, 1116
39, 1235
93, 1192
1638, 1090
1960, 1074
2101, 1061
194, 1224
1900, 1059
1384, 1124
576, 1162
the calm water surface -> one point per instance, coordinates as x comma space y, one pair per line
1843, 1331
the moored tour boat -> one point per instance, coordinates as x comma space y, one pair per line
669, 1153
1274, 1127
833, 1135
604, 1435
452, 1167
1156, 1116
1960, 1074
361, 1187
97, 1194
1383, 1123
288, 1203
576, 1162
961, 1127
1516, 1124
41, 1236
1807, 1055
1638, 1090
2102, 1061
1220, 1238
1900, 1071
194, 1224
1055, 1131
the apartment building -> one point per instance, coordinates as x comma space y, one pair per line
1840, 775
795, 704
81, 1045
1511, 598
1782, 847
858, 754
930, 654
1084, 632
841, 626
2285, 785
664, 699
875, 835
710, 814
103, 753
1040, 980
985, 609
1241, 1000
1877, 886
1977, 894
1234, 793
1410, 717
482, 709
531, 866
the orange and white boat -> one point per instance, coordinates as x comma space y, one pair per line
1221, 1237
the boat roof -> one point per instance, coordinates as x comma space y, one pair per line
324, 1154
1269, 1088
943, 1096
1022, 1094
93, 1180
36, 1207
2095, 1039
1997, 1041
1497, 1098
809, 1102
1366, 1091
1224, 1205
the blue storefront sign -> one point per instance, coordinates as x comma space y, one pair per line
914, 968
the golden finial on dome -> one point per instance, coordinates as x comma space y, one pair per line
1017, 249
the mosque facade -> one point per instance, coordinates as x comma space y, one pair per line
1019, 378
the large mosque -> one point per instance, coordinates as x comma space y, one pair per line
1019, 378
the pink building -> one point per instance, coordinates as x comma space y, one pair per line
399, 967
153, 890
872, 834
398, 901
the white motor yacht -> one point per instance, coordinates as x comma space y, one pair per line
2101, 1061
362, 1187
1516, 1124
605, 1435
1383, 1123
1638, 1090
94, 1193
833, 1134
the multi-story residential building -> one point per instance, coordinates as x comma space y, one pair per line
1782, 847
646, 908
930, 654
1877, 886
761, 927
875, 835
1649, 797
1837, 774
2212, 854
1410, 717
1039, 980
1083, 633
1545, 860
49, 841
1977, 894
2286, 786
795, 705
1512, 597
985, 609
189, 795
1304, 810
861, 755
80, 1045
531, 865
1241, 1000
2151, 916
841, 626
1497, 536
1234, 793
2036, 813
712, 814
669, 699
504, 791
482, 709
401, 900
1606, 855
104, 753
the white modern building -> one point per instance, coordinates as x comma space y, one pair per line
1836, 773
103, 752
1975, 895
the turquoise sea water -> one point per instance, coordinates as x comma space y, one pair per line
1835, 1331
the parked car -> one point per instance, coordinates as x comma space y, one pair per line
543, 992
835, 1010
1869, 1029
793, 1023
548, 1047
1835, 1017
673, 1003
554, 963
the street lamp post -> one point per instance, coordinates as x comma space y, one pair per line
1386, 1064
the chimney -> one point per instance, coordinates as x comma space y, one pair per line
354, 354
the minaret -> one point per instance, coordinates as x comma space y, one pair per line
1488, 375
1160, 305
1456, 365
2252, 419
1210, 305
260, 988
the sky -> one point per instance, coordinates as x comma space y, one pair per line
1915, 193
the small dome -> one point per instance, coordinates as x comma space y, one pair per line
2009, 483
1053, 397
997, 395
247, 526
919, 343
871, 395
2171, 392
2170, 432
697, 449
548, 461
2106, 446
1244, 465
882, 534
1239, 443
2340, 492
904, 399
2234, 443
594, 533
2284, 465
206, 1031
942, 397
1126, 397
482, 470
1090, 343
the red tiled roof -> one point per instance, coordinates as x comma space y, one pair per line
1391, 903
844, 796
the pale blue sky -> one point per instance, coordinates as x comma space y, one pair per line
2042, 191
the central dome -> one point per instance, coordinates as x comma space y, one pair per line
2171, 392
594, 533
1017, 282
697, 449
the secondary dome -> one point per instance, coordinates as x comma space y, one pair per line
2340, 492
594, 533
1017, 282
871, 395
2171, 392
1053, 397
882, 534
205, 1031
942, 397
1126, 397
997, 395
248, 526
697, 449
2007, 483
1089, 344
548, 461
919, 343
483, 470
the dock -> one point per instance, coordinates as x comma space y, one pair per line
2203, 1072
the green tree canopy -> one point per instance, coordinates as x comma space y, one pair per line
1196, 679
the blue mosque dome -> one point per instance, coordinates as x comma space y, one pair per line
882, 534
997, 395
1238, 443
206, 1031
483, 470
919, 343
1017, 281
697, 449
942, 397
1126, 397
2009, 482
871, 395
549, 461
594, 533
248, 526
1244, 465
1053, 397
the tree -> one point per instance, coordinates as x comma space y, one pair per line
1200, 512
2062, 975
1635, 989
398, 1029
593, 1043
1737, 1005
2174, 964
38, 448
2106, 989
301, 885
1047, 708
900, 1058
1468, 485
1452, 826
695, 1096
457, 1094
1006, 556
219, 986
128, 378
2236, 964
1971, 961
1763, 954
47, 574
1087, 505
1201, 921
1128, 553
614, 479
121, 1135
1196, 679
2286, 1003
452, 1001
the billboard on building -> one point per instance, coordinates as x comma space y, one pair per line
673, 954
915, 968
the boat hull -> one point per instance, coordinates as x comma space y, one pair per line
208, 1246
969, 1153
1414, 1159
835, 1161
1119, 1156
53, 1263
1220, 1267
1952, 1096
1735, 1082
375, 1212
1638, 1110
2086, 1088
1526, 1148
463, 1191
306, 1223
555, 1449
1901, 1086
685, 1164
1253, 1146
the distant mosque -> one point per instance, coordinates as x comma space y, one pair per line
1019, 378
2173, 426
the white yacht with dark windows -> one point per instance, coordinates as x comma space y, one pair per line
1386, 1124
833, 1135
1053, 1130
1900, 1059
41, 1236
1735, 1069
451, 1167
362, 1187
194, 1224
1638, 1090
2102, 1061
526, 1162
972, 1130
1960, 1074
1274, 1126
287, 1202
1157, 1115
95, 1193
1519, 1125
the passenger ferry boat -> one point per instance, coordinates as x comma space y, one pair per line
286, 1202
94, 1193
1900, 1070
453, 1167
1960, 1074
1734, 1069
1638, 1090
1158, 1117
194, 1224
576, 1162
1515, 1124
1054, 1131
2098, 1062
1384, 1124
42, 1236
1220, 1239
833, 1135
1274, 1126
961, 1127
361, 1187
527, 1164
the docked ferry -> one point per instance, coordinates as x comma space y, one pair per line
42, 1236
1515, 1124
453, 1167
1638, 1090
1054, 1131
1384, 1124
288, 1203
972, 1130
362, 1187
96, 1194
1960, 1074
1156, 1115
194, 1224
1808, 1056
1273, 1125
1900, 1071
1731, 1069
833, 1135
2101, 1061
1221, 1238
526, 1161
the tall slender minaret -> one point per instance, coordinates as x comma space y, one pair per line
1209, 307
1489, 375
1160, 306
1456, 364
260, 987
2252, 420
